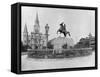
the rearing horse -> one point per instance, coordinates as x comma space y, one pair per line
63, 30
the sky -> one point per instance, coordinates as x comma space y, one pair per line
78, 22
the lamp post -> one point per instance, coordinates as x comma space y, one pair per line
46, 33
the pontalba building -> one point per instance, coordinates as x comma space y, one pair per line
86, 42
36, 40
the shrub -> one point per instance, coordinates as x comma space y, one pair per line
24, 47
49, 45
64, 46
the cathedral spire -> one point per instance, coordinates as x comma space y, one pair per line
25, 29
25, 35
37, 19
36, 25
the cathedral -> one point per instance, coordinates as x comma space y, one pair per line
36, 40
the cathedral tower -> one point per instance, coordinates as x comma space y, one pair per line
25, 35
36, 26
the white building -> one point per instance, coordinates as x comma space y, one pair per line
36, 39
60, 41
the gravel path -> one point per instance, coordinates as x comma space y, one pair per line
38, 64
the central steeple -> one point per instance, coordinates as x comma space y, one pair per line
36, 25
37, 19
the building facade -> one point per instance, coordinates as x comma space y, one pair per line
92, 41
36, 40
86, 42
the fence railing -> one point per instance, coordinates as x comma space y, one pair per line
73, 49
54, 53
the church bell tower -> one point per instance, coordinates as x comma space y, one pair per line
25, 35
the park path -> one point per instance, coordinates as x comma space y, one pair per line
40, 64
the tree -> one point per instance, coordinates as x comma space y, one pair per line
49, 45
64, 46
24, 47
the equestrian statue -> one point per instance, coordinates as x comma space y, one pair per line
63, 30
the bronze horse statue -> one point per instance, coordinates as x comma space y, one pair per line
63, 30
